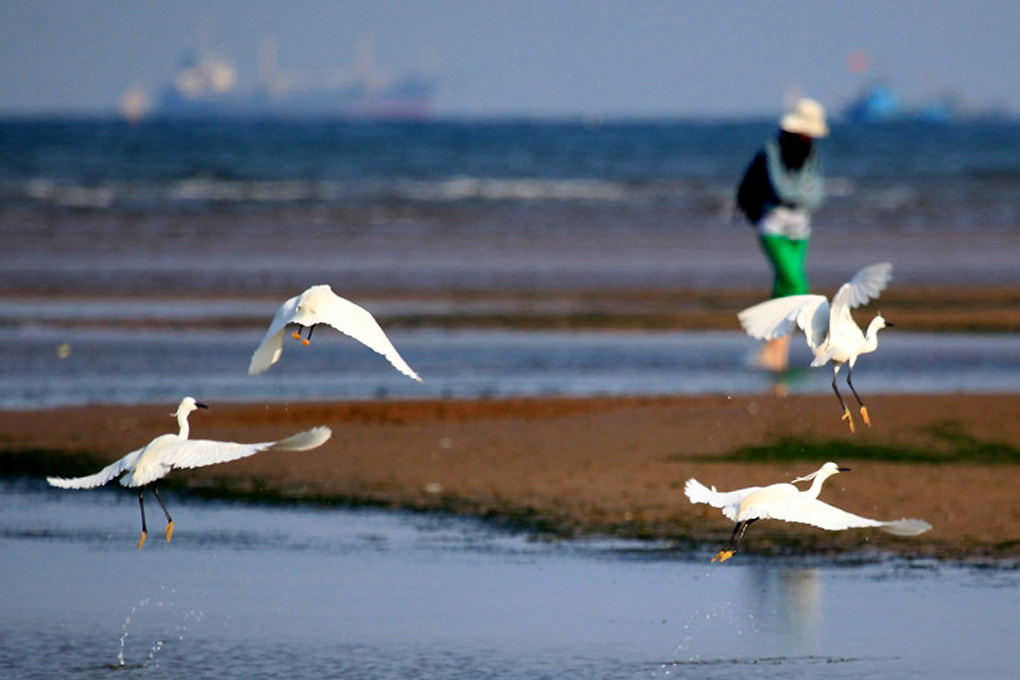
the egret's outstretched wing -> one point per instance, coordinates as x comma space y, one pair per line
817, 513
728, 501
866, 285
820, 514
905, 527
356, 321
108, 473
303, 441
781, 316
272, 344
192, 453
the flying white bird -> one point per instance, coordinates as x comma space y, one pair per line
319, 304
831, 332
167, 452
788, 503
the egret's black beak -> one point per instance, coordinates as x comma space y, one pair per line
843, 469
890, 324
200, 405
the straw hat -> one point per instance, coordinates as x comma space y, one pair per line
807, 118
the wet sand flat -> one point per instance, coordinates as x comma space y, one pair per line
598, 466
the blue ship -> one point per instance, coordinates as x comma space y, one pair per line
880, 104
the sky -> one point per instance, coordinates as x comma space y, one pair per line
543, 58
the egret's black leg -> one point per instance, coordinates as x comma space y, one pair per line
169, 520
297, 333
838, 395
846, 411
728, 550
864, 409
141, 506
733, 536
307, 341
743, 530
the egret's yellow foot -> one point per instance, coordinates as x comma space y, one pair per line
849, 420
169, 531
141, 541
306, 342
722, 556
296, 335
864, 416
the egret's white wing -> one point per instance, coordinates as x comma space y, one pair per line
906, 527
356, 321
108, 473
192, 453
781, 316
866, 285
773, 318
303, 441
813, 319
728, 501
816, 513
272, 344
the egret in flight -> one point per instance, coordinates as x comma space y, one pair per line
320, 305
167, 452
831, 332
788, 503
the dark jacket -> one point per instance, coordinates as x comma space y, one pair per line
768, 183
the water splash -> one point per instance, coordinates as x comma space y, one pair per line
176, 627
121, 659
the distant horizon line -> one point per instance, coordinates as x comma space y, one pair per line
594, 119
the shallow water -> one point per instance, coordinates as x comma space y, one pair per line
263, 591
159, 366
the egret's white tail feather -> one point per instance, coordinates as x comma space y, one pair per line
906, 527
302, 441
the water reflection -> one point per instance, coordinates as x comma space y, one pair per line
788, 601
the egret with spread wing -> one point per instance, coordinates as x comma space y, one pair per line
788, 503
167, 452
831, 332
320, 305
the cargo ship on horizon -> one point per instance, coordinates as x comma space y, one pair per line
206, 86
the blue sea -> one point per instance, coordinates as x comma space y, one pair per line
118, 241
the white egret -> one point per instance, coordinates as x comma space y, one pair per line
831, 332
319, 304
167, 452
786, 502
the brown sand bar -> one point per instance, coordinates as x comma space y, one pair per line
600, 466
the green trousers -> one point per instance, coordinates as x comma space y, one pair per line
787, 256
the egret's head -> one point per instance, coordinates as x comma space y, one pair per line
187, 405
879, 322
824, 472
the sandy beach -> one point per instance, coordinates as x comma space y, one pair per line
600, 466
